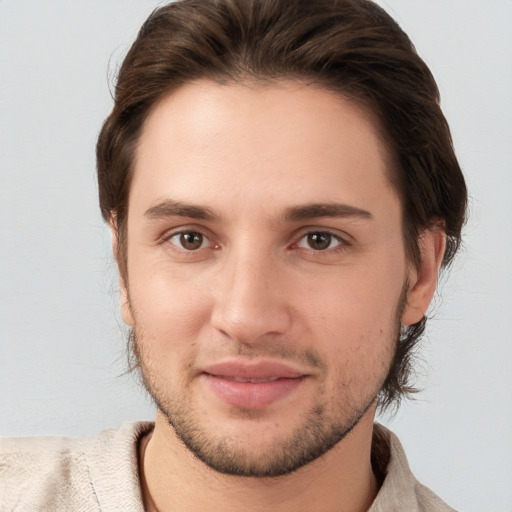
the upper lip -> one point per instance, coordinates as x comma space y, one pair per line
262, 369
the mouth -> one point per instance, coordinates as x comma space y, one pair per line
254, 381
252, 385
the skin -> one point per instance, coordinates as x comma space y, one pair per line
263, 276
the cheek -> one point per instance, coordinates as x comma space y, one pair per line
168, 311
353, 320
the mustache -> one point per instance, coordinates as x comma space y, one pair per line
276, 350
264, 349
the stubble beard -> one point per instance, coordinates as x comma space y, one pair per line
317, 434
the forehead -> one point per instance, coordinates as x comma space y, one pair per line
301, 144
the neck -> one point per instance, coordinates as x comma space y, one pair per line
342, 479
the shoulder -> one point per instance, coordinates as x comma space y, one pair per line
62, 473
44, 473
400, 491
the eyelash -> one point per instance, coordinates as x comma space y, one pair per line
205, 239
331, 237
340, 243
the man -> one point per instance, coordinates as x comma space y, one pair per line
282, 193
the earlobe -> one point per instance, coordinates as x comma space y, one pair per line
423, 279
126, 310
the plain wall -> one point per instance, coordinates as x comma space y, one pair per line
61, 339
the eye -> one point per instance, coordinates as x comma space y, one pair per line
189, 240
319, 241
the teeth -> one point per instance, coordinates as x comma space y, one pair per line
239, 379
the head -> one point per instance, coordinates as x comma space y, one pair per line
348, 49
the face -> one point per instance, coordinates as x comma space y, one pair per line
266, 271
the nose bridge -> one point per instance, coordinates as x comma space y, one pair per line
250, 303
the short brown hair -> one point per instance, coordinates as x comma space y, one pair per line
351, 47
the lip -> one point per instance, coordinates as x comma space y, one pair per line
262, 369
252, 385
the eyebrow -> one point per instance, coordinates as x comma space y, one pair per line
318, 210
170, 208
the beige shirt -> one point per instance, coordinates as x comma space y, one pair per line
101, 473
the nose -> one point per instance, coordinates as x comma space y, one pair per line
251, 301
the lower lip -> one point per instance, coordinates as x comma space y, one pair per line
252, 395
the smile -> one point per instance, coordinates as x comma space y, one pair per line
253, 381
251, 393
251, 385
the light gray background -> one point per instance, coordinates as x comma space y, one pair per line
62, 347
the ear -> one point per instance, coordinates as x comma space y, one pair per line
126, 310
423, 278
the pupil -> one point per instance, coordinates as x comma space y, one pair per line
319, 241
191, 241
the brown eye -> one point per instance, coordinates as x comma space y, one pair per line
319, 241
189, 240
